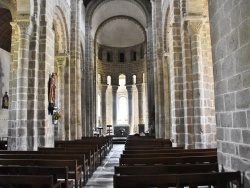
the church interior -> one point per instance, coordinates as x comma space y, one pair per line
177, 71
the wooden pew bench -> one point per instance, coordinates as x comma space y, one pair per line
93, 149
58, 173
153, 154
70, 145
219, 179
28, 181
75, 170
87, 153
166, 169
143, 142
80, 160
167, 160
146, 147
169, 150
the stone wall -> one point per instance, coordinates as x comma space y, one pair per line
114, 68
230, 34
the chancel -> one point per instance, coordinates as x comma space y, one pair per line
89, 80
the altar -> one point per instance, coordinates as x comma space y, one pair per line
119, 127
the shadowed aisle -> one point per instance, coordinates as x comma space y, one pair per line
103, 176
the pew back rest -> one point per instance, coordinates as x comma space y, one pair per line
28, 180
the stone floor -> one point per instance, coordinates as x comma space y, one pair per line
103, 176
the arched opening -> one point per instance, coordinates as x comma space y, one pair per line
121, 57
123, 110
122, 101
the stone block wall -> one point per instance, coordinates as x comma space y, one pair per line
128, 67
230, 34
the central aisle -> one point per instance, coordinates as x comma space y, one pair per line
103, 176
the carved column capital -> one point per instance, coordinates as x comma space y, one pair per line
103, 88
114, 88
24, 26
129, 88
139, 87
194, 26
61, 60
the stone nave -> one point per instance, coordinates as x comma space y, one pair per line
178, 67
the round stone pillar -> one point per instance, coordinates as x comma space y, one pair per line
114, 97
60, 131
24, 131
130, 107
194, 27
140, 103
103, 89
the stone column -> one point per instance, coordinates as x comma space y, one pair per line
140, 103
166, 96
130, 108
22, 133
103, 89
114, 97
60, 132
194, 27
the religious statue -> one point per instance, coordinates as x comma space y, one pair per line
52, 88
5, 102
52, 92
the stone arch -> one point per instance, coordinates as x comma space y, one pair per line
122, 75
94, 5
166, 32
61, 31
120, 17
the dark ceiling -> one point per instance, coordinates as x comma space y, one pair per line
5, 29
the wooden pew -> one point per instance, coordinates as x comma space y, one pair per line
166, 169
89, 156
168, 150
29, 181
78, 147
75, 170
80, 160
152, 154
56, 172
73, 144
219, 179
167, 160
148, 147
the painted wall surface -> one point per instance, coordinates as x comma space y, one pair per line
4, 86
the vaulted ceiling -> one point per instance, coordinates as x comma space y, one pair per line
119, 23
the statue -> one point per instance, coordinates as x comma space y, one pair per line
5, 102
52, 88
52, 92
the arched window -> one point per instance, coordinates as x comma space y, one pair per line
133, 56
109, 80
134, 79
122, 80
123, 109
122, 57
109, 57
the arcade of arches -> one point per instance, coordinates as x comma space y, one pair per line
181, 67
